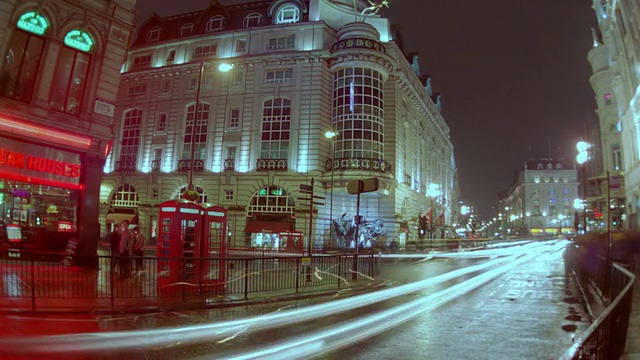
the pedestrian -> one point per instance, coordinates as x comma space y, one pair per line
138, 249
126, 244
114, 241
393, 246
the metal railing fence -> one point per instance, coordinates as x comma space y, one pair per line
42, 276
613, 281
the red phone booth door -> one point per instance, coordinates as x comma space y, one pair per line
214, 250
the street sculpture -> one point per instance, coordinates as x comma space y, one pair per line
374, 8
369, 231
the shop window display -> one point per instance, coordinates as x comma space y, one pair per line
45, 215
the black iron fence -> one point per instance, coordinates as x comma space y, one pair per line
41, 280
612, 281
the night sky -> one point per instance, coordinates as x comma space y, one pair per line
513, 76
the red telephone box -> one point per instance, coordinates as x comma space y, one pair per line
213, 248
179, 247
292, 241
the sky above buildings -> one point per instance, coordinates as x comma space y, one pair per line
513, 75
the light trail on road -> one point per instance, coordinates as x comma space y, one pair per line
154, 339
331, 339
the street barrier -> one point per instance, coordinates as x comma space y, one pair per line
613, 281
40, 280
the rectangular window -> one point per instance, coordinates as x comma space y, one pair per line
205, 51
617, 157
234, 118
161, 126
157, 154
278, 76
192, 84
231, 152
237, 79
207, 84
281, 42
137, 90
165, 88
172, 56
228, 194
155, 193
241, 46
70, 78
130, 139
18, 76
141, 61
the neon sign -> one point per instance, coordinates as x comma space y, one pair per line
79, 39
33, 22
39, 164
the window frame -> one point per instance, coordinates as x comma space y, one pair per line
288, 8
153, 35
216, 18
183, 29
250, 19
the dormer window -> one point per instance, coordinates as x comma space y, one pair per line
185, 30
153, 34
253, 19
215, 24
558, 166
549, 166
540, 167
288, 14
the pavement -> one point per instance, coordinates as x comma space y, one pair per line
632, 350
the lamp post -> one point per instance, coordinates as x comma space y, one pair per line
582, 158
332, 136
224, 67
432, 191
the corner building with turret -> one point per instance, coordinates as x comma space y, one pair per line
235, 102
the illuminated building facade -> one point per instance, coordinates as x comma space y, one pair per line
59, 77
247, 138
615, 63
541, 200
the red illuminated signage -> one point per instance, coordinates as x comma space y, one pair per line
39, 164
65, 226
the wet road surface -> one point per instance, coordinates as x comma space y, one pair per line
517, 315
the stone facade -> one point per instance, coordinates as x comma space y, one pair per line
299, 70
615, 63
60, 72
541, 200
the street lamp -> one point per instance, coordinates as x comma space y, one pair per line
332, 136
432, 192
582, 158
223, 67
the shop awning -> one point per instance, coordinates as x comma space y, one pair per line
268, 227
118, 217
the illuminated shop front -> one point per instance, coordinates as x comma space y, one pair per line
39, 192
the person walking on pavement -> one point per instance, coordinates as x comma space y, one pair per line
114, 241
138, 249
126, 244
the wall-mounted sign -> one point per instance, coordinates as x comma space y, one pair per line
39, 164
79, 39
33, 22
104, 107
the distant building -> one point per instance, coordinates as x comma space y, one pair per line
616, 75
295, 70
59, 77
541, 200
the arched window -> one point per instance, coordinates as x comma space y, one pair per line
125, 196
288, 14
70, 75
197, 138
202, 196
271, 199
216, 23
276, 127
153, 34
130, 141
22, 60
185, 30
253, 19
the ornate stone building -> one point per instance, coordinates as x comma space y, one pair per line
235, 101
541, 200
616, 72
59, 77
